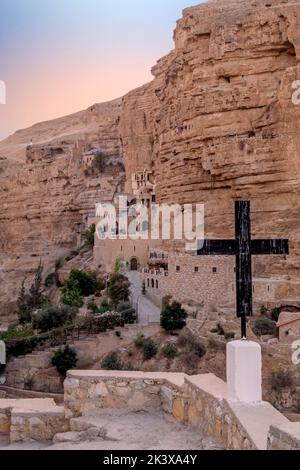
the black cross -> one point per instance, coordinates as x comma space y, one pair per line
244, 248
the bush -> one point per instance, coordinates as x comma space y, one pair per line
99, 160
275, 314
89, 235
282, 380
264, 310
150, 349
21, 332
29, 301
118, 289
86, 283
112, 362
199, 349
104, 308
53, 317
72, 298
229, 335
51, 280
64, 359
173, 317
127, 312
264, 326
219, 330
118, 266
140, 340
170, 351
92, 306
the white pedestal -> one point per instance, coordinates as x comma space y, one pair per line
244, 372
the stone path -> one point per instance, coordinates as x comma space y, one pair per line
148, 312
132, 431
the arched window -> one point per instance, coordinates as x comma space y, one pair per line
152, 283
156, 284
148, 282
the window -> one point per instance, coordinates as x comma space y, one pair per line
214, 270
148, 282
156, 284
178, 269
196, 269
152, 283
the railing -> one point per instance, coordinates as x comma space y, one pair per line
60, 336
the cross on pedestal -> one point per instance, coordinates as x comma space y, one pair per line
243, 247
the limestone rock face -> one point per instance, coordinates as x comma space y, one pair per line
223, 122
48, 190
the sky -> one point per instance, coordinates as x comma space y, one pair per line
60, 56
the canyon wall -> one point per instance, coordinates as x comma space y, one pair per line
224, 125
48, 190
216, 124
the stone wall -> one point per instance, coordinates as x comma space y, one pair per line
285, 437
199, 402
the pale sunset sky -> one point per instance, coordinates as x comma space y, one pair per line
60, 56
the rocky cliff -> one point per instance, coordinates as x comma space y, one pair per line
49, 187
223, 122
217, 123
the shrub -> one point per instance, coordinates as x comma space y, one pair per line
127, 312
275, 314
199, 349
219, 330
118, 266
170, 351
92, 306
86, 283
20, 332
118, 289
264, 326
264, 310
28, 383
173, 317
112, 362
29, 301
64, 359
72, 298
150, 349
281, 380
51, 280
140, 340
99, 160
53, 317
190, 362
229, 335
89, 235
104, 308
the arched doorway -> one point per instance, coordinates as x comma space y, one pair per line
134, 264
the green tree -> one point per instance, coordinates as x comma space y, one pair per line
29, 301
89, 235
65, 359
118, 289
173, 317
53, 316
